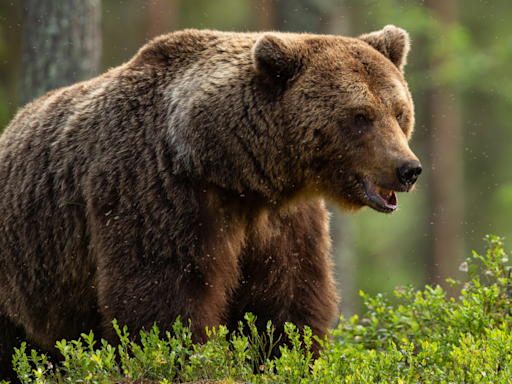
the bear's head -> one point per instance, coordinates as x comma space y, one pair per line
348, 111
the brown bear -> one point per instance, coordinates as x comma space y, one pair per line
190, 180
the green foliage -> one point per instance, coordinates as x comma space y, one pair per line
434, 338
427, 338
452, 51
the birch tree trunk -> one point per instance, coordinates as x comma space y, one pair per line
61, 44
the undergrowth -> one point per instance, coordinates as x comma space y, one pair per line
428, 338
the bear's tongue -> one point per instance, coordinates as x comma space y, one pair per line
385, 199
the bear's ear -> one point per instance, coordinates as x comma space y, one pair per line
275, 59
392, 42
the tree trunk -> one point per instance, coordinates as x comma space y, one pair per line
61, 44
304, 15
344, 258
163, 17
265, 15
10, 60
446, 189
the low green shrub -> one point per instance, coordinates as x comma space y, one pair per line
426, 339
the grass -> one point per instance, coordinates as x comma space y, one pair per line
426, 339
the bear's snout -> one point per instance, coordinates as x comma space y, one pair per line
408, 173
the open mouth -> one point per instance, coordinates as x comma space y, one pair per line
380, 199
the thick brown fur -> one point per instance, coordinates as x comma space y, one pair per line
189, 182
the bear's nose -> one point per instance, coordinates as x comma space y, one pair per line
409, 172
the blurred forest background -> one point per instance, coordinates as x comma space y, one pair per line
459, 72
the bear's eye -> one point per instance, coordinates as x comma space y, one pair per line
360, 118
362, 122
399, 116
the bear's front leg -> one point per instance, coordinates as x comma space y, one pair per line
155, 278
286, 272
141, 297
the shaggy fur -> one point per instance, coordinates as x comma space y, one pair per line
189, 182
